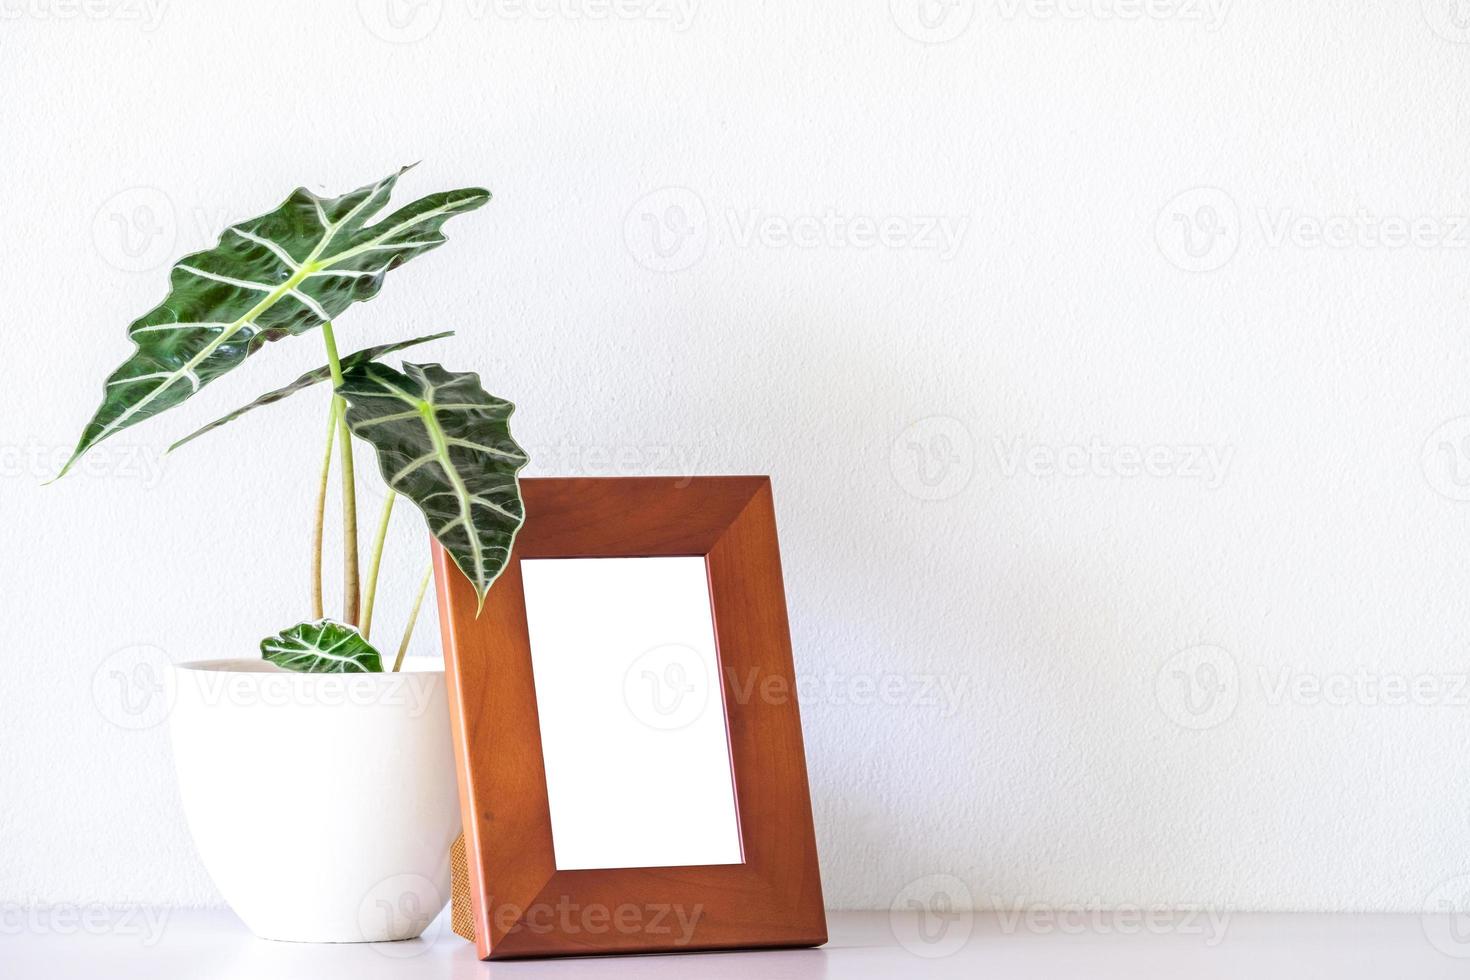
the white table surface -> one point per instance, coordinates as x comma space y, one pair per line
205, 945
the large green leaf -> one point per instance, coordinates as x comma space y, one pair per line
445, 444
278, 275
309, 379
322, 647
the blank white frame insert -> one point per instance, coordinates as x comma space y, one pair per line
632, 717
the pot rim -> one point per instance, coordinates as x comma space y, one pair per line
260, 667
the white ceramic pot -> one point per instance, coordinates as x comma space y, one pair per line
323, 805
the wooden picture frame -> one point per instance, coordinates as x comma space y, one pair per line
774, 898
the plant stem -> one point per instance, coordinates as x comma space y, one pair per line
351, 581
413, 617
373, 565
319, 524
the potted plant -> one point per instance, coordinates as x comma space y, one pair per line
318, 780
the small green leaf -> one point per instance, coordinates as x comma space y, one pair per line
322, 647
309, 379
445, 444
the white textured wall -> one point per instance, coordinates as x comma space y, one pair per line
1089, 454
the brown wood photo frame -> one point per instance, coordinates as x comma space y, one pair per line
521, 905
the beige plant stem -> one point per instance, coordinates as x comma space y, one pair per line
319, 526
413, 617
374, 563
351, 579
